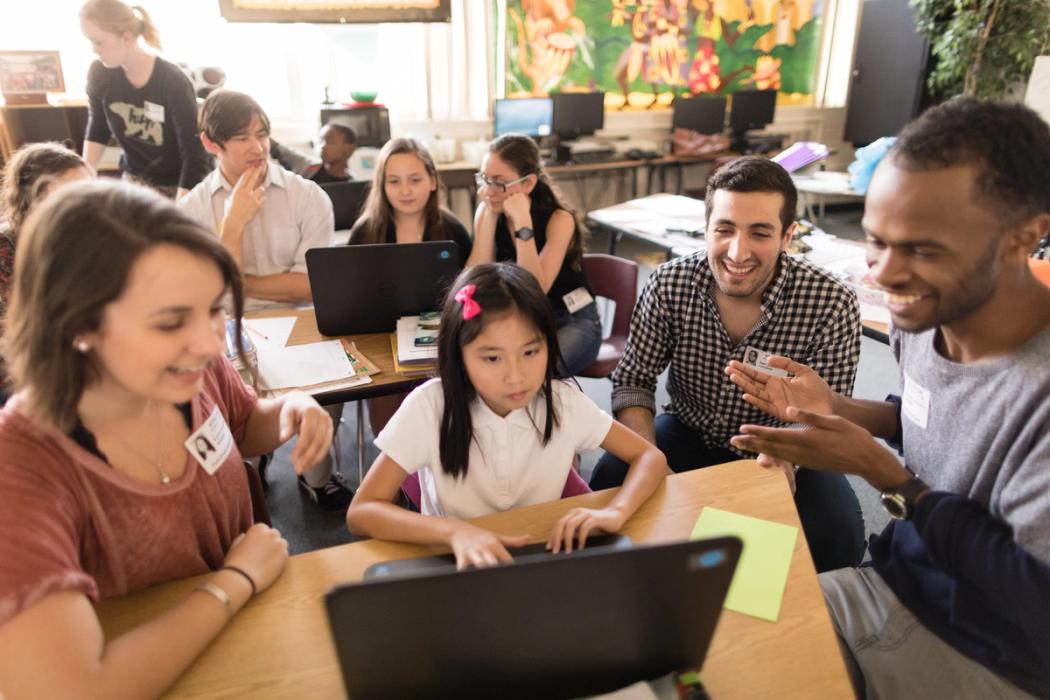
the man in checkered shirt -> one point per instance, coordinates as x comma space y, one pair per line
703, 310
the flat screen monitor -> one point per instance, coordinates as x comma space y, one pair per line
578, 113
703, 114
752, 109
370, 124
529, 116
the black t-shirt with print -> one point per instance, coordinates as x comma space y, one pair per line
156, 124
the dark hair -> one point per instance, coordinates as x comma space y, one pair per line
28, 175
755, 174
523, 155
226, 113
377, 215
349, 135
499, 288
1008, 144
74, 259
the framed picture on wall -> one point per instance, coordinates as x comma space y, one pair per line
27, 76
345, 12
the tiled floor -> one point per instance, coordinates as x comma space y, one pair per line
306, 527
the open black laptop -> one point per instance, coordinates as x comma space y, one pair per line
366, 288
348, 199
560, 627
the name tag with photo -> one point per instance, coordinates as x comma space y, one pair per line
759, 359
154, 112
211, 443
577, 299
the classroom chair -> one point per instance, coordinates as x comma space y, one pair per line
616, 279
574, 486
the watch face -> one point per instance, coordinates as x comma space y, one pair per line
895, 504
524, 233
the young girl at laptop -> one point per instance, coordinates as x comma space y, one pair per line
497, 430
523, 219
403, 206
121, 450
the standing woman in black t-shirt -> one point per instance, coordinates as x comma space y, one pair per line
143, 101
523, 219
404, 206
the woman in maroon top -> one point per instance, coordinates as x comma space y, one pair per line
120, 453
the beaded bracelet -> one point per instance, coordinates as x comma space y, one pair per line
243, 573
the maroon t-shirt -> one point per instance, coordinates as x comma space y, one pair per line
69, 521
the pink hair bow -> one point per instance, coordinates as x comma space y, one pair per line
465, 296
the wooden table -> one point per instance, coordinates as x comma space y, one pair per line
375, 346
279, 645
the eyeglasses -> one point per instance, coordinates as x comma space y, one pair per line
501, 187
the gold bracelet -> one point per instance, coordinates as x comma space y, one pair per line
219, 595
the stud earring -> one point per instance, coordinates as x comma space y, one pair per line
82, 346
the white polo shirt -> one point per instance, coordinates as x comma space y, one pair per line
509, 466
296, 215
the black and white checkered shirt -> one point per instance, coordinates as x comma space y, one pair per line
807, 315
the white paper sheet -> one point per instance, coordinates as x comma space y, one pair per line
272, 332
303, 365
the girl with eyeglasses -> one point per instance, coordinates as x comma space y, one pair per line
522, 218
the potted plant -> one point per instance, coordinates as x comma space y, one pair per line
982, 47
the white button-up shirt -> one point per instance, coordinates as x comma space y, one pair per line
296, 215
509, 466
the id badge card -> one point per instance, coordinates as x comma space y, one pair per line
577, 299
759, 359
211, 443
915, 403
154, 112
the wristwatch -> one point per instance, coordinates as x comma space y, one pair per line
524, 233
899, 501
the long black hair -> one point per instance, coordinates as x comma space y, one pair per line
523, 155
499, 288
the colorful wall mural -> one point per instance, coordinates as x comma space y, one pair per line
644, 52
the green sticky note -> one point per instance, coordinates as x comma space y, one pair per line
761, 574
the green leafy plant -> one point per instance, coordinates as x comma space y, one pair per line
982, 47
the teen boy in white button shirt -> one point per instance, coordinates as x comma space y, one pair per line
267, 218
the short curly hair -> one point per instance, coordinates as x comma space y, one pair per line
1008, 143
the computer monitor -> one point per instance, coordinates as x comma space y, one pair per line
705, 114
751, 109
577, 113
371, 124
530, 116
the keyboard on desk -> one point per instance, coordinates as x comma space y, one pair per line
420, 566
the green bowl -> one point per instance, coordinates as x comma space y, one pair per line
361, 96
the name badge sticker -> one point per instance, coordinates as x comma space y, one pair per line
759, 359
211, 443
154, 112
915, 404
577, 299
